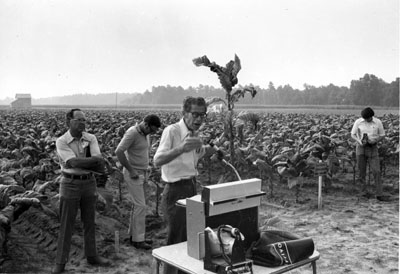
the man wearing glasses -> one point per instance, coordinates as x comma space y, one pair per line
78, 188
133, 154
179, 151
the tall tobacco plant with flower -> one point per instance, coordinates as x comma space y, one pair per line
228, 78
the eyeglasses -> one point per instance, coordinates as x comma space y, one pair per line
80, 120
202, 115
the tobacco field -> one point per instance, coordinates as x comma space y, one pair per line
282, 149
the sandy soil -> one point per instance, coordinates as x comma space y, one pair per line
353, 233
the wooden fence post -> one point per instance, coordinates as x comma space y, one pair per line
320, 170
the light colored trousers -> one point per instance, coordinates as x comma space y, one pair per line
137, 222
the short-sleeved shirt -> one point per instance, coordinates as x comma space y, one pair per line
373, 129
185, 165
136, 147
69, 147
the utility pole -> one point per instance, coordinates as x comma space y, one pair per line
116, 100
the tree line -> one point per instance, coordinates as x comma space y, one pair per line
368, 90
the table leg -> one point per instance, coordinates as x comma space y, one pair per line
156, 266
314, 267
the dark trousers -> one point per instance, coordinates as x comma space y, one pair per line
174, 215
74, 195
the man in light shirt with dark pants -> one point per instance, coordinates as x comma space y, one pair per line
78, 188
178, 153
133, 154
368, 131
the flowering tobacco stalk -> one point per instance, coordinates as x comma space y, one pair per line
228, 78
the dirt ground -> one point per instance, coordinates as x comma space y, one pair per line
352, 232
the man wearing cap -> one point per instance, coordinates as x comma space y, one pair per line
178, 153
133, 154
368, 131
78, 188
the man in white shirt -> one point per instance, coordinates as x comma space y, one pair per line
178, 153
367, 131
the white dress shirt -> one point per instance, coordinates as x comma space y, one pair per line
185, 165
373, 129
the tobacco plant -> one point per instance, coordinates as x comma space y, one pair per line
228, 78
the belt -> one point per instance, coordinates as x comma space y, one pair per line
78, 177
370, 145
183, 181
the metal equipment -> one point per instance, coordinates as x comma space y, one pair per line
233, 203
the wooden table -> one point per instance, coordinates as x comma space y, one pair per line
176, 255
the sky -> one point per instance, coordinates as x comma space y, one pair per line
54, 48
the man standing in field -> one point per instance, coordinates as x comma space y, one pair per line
367, 131
133, 154
78, 188
178, 153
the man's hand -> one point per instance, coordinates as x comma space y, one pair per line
98, 165
133, 174
191, 143
94, 163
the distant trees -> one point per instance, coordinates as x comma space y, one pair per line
390, 95
368, 90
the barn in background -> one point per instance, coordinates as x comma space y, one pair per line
22, 100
